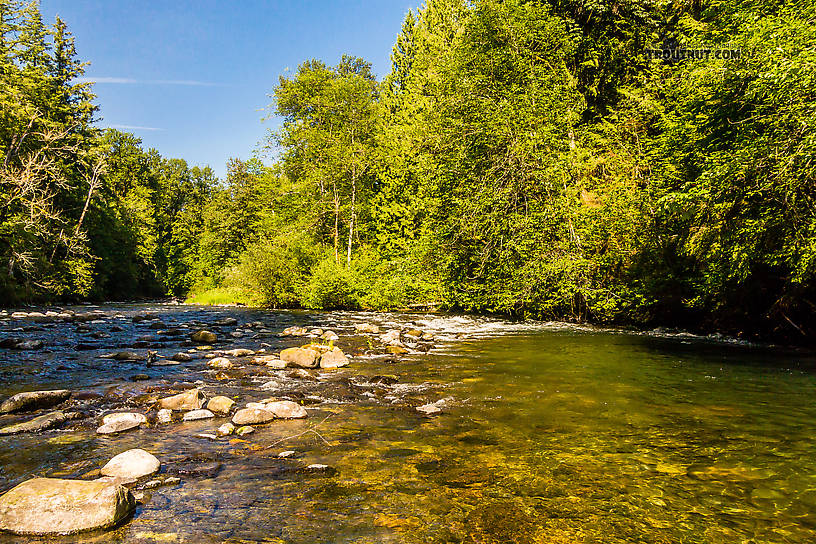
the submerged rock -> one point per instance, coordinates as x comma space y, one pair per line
220, 404
204, 337
183, 402
50, 506
301, 357
131, 465
34, 399
39, 423
429, 409
123, 356
29, 345
226, 322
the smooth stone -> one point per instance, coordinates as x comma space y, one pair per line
123, 356
183, 402
220, 404
220, 363
252, 416
294, 331
51, 506
124, 416
34, 399
197, 414
245, 430
117, 423
396, 350
333, 359
204, 337
165, 415
226, 322
270, 361
240, 352
225, 430
285, 454
429, 409
39, 423
286, 409
182, 357
131, 465
300, 357
329, 336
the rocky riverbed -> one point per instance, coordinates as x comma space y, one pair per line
174, 423
184, 390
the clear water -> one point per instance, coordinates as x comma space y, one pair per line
550, 433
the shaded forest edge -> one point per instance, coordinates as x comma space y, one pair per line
525, 159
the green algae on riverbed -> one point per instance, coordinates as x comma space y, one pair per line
553, 434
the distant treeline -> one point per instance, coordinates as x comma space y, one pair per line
526, 158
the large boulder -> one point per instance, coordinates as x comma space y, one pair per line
50, 506
39, 423
183, 402
286, 409
131, 465
301, 357
333, 359
203, 337
220, 404
34, 399
252, 416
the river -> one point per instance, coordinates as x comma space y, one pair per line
548, 432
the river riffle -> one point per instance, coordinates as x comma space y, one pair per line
548, 432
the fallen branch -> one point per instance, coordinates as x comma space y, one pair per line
310, 430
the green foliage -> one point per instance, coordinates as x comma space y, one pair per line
523, 158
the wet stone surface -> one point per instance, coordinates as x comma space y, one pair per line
530, 432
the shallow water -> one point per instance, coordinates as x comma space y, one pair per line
550, 433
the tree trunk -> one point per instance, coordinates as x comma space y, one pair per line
351, 219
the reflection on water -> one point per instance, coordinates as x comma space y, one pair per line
554, 434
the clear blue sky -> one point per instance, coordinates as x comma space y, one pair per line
192, 78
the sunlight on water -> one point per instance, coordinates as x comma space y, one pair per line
550, 433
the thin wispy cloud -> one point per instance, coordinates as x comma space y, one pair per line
133, 127
131, 81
